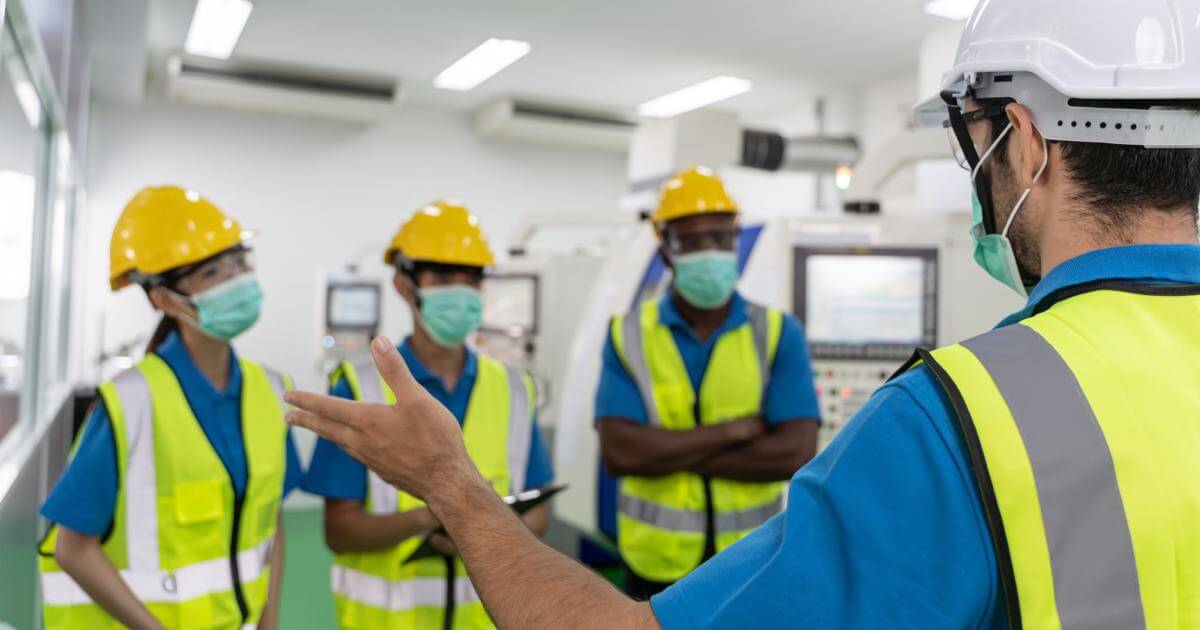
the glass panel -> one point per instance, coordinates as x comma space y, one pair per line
20, 116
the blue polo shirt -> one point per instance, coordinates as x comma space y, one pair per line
790, 395
334, 474
885, 527
85, 497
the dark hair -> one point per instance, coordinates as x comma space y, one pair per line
166, 326
440, 268
1117, 182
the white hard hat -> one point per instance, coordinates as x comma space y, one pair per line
1104, 71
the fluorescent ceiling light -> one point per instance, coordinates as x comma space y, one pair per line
694, 97
951, 9
216, 27
481, 64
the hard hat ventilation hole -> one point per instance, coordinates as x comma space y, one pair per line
1104, 125
1088, 124
1074, 123
1133, 127
1118, 125
1060, 123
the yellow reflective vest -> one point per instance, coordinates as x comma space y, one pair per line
187, 548
1083, 428
665, 523
382, 589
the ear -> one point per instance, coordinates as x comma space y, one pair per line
169, 304
404, 287
1027, 148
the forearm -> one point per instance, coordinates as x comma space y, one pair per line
270, 616
506, 562
349, 528
84, 561
773, 456
631, 449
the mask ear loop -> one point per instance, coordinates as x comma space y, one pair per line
987, 154
1025, 195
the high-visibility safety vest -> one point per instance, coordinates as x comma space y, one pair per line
1082, 425
664, 524
382, 589
194, 554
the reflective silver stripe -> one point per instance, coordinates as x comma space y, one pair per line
278, 386
141, 481
368, 380
635, 358
661, 516
181, 585
1091, 550
727, 522
382, 497
520, 431
759, 323
399, 595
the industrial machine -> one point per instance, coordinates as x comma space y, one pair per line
353, 311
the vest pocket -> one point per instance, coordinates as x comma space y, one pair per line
198, 502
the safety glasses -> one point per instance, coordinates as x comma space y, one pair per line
725, 240
958, 125
232, 262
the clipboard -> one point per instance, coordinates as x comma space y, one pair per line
521, 503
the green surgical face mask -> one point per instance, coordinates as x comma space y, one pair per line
706, 279
994, 252
449, 314
228, 309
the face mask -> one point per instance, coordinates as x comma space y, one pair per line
706, 279
994, 252
451, 313
227, 309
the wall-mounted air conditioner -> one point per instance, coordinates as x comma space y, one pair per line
282, 89
559, 125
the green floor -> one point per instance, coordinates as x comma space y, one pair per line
306, 599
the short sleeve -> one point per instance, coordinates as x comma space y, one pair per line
538, 472
617, 396
85, 497
883, 529
791, 394
333, 473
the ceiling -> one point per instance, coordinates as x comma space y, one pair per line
610, 53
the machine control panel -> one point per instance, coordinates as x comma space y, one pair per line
843, 387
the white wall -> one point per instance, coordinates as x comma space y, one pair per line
322, 194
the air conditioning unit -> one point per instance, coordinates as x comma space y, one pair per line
559, 125
282, 89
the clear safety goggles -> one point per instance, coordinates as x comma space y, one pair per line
725, 240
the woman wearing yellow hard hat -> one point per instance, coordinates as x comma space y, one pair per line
167, 515
439, 255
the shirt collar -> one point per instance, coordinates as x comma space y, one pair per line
190, 378
669, 315
427, 378
1151, 264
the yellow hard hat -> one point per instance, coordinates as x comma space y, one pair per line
167, 227
695, 191
441, 232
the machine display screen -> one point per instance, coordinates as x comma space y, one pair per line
510, 303
353, 306
867, 303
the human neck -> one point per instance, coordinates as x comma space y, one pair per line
445, 363
211, 356
703, 322
1074, 233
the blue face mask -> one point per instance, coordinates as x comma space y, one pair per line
229, 308
994, 252
706, 279
449, 314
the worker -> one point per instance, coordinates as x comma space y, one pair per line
1041, 475
440, 256
168, 514
706, 403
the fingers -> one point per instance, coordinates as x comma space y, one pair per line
335, 432
391, 366
328, 407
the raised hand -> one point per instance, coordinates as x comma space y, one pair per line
415, 444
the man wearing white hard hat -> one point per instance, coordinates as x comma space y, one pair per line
1043, 475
